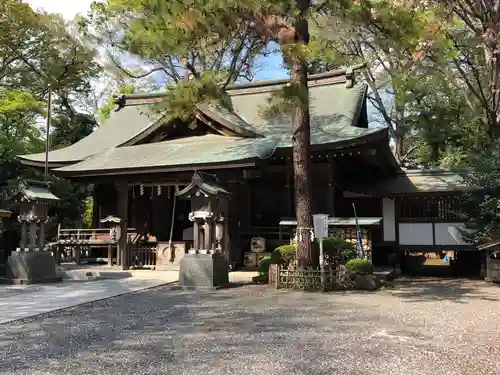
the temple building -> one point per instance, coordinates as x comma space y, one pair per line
137, 161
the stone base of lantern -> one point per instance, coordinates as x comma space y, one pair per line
203, 271
33, 267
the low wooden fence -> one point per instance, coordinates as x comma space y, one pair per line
142, 255
311, 279
95, 236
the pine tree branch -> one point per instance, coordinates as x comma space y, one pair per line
129, 73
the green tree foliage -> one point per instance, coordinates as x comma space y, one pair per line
105, 111
481, 210
18, 111
38, 49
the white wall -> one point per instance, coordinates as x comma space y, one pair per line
415, 234
389, 219
449, 234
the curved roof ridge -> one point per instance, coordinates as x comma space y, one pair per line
314, 79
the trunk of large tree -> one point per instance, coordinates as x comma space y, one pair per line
302, 140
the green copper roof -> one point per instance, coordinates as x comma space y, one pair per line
339, 221
416, 181
32, 190
208, 183
333, 107
122, 126
208, 149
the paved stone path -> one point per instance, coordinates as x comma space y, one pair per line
424, 328
17, 302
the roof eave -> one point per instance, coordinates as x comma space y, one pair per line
353, 142
151, 170
41, 164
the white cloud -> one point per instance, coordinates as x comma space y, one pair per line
67, 8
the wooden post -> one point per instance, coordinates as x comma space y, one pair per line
77, 250
59, 250
110, 255
289, 190
122, 208
118, 256
331, 190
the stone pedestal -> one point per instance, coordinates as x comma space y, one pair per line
33, 267
203, 271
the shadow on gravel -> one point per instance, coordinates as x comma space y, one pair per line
161, 328
445, 289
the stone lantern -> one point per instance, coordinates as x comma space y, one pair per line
31, 263
206, 264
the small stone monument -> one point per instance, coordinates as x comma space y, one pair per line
32, 263
206, 264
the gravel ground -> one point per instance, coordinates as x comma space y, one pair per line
424, 327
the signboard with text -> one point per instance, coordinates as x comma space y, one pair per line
320, 222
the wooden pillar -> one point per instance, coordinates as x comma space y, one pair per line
289, 191
122, 208
77, 253
59, 251
226, 245
118, 256
330, 202
110, 255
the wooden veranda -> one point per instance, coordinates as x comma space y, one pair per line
75, 244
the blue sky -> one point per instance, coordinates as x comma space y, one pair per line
271, 66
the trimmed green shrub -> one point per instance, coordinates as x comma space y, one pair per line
285, 252
359, 267
338, 251
266, 262
264, 265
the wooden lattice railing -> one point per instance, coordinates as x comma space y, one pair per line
91, 236
142, 255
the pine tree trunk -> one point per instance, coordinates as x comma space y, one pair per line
302, 140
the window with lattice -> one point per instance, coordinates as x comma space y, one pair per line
436, 209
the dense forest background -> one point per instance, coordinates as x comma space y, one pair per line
432, 68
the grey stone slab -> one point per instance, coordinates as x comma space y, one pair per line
203, 271
30, 300
33, 267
